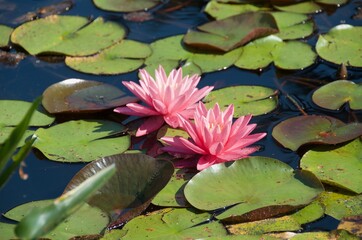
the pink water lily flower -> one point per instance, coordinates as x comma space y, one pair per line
214, 137
166, 98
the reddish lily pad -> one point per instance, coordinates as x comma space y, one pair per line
297, 131
125, 56
68, 35
232, 32
341, 166
137, 180
83, 96
352, 224
252, 188
335, 94
126, 5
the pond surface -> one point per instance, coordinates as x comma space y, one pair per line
29, 78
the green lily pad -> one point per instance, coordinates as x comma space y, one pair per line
170, 224
172, 195
232, 32
297, 131
220, 10
6, 131
291, 222
93, 139
137, 180
307, 7
255, 100
285, 55
340, 205
5, 33
334, 234
12, 112
256, 187
92, 220
341, 45
7, 230
125, 5
177, 53
293, 25
123, 57
68, 35
83, 96
333, 95
339, 166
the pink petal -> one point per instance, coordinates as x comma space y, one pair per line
136, 109
205, 162
138, 91
238, 154
151, 124
175, 146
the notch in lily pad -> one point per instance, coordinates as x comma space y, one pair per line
83, 96
232, 32
337, 93
123, 57
137, 180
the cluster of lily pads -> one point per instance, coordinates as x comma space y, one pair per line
255, 198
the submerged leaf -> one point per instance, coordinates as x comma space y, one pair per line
252, 188
255, 100
232, 32
83, 96
339, 166
333, 95
137, 180
94, 139
297, 131
68, 35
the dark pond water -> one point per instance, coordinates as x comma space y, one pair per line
32, 76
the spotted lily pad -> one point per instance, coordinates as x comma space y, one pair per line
176, 54
6, 131
290, 55
125, 56
93, 220
341, 45
68, 35
232, 32
5, 33
137, 180
83, 96
255, 100
352, 224
12, 112
125, 5
291, 222
252, 188
339, 166
170, 224
340, 205
297, 131
93, 139
333, 95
